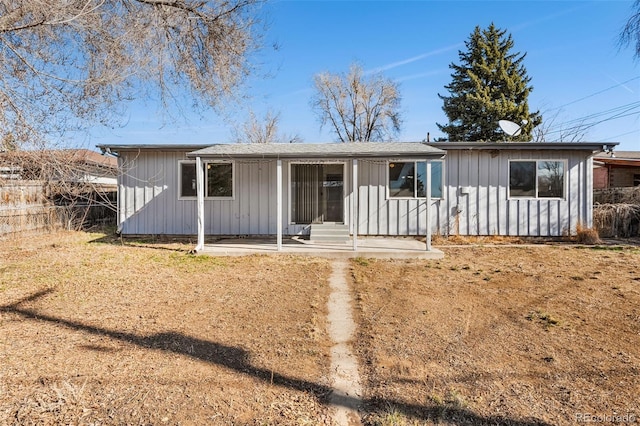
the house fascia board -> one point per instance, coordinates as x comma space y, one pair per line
115, 149
623, 162
593, 147
326, 151
327, 156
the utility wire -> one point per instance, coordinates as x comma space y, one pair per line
583, 124
596, 93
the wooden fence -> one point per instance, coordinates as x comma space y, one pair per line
26, 206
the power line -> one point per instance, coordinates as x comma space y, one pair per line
583, 124
596, 93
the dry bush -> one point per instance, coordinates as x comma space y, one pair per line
586, 235
627, 195
617, 220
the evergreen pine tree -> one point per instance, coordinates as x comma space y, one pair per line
489, 85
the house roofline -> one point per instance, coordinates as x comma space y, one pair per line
409, 150
569, 146
112, 149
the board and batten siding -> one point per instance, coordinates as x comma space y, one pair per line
149, 202
476, 198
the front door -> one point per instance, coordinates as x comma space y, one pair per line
317, 193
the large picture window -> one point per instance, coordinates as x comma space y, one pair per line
218, 179
536, 179
408, 179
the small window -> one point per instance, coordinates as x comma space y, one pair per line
436, 179
408, 179
536, 179
219, 180
187, 179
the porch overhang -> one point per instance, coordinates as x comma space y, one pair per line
321, 151
316, 152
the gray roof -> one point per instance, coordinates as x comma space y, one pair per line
570, 146
321, 150
621, 155
151, 147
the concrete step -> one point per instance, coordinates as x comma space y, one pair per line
329, 232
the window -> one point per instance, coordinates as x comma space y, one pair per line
218, 179
408, 179
536, 179
187, 179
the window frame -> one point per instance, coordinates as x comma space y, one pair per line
537, 180
233, 180
204, 170
415, 187
180, 177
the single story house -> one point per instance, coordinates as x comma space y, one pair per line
370, 189
619, 169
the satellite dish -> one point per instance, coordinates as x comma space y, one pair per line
511, 128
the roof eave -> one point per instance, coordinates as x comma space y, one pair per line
317, 156
570, 146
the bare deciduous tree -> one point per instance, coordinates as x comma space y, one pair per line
76, 184
67, 64
266, 130
358, 108
551, 131
630, 33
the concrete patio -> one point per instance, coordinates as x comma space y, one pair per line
369, 247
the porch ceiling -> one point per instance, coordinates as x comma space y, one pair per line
322, 150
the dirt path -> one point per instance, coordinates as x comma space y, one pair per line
345, 379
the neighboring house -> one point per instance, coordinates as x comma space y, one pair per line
46, 188
80, 166
523, 189
619, 169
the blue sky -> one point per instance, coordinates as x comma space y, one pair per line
578, 72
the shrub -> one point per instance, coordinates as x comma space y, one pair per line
587, 235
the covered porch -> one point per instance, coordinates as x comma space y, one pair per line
368, 247
311, 184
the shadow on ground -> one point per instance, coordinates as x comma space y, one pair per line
238, 360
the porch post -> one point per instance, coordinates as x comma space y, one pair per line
354, 197
428, 203
200, 202
279, 206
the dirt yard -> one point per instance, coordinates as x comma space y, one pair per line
501, 335
93, 331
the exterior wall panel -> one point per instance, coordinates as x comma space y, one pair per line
475, 198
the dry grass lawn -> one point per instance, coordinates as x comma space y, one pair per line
93, 331
96, 332
501, 335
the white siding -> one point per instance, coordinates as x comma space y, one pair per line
149, 203
486, 209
